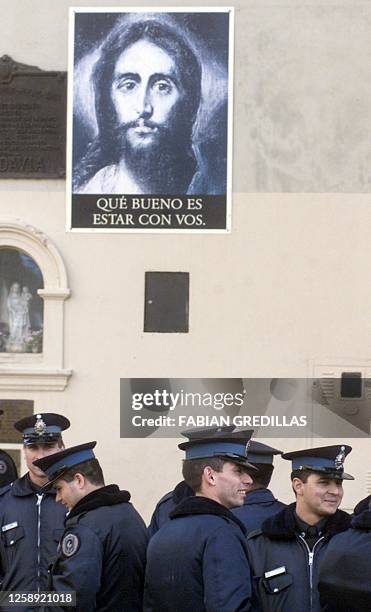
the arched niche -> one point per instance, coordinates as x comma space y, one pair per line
42, 370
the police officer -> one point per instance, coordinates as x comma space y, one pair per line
260, 502
198, 559
103, 547
31, 521
345, 572
285, 553
169, 501
8, 470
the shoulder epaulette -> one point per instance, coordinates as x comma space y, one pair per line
253, 534
6, 488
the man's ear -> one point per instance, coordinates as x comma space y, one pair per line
80, 480
209, 476
297, 486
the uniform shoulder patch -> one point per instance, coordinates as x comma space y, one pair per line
3, 467
70, 544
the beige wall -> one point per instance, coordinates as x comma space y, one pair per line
287, 289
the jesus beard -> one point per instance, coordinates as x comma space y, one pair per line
161, 160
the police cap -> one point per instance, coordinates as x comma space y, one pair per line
195, 433
328, 460
229, 445
42, 428
261, 453
54, 466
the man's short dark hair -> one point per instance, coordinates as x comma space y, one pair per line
262, 476
90, 469
194, 468
303, 475
105, 149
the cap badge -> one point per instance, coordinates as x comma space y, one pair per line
247, 446
339, 459
40, 426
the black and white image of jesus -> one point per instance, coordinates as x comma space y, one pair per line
150, 103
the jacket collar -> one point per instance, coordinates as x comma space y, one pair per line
259, 496
362, 520
283, 526
23, 487
203, 505
105, 496
182, 491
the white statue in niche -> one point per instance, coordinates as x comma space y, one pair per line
19, 318
27, 297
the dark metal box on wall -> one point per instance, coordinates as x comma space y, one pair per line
32, 121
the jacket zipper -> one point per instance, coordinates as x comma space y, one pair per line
310, 564
38, 504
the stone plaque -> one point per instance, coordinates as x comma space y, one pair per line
10, 412
32, 121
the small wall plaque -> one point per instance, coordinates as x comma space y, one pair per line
10, 412
32, 121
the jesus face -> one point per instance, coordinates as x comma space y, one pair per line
146, 93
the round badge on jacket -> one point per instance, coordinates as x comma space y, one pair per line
70, 544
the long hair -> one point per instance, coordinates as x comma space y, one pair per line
104, 149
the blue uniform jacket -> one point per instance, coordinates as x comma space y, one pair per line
345, 572
31, 527
197, 561
166, 505
102, 553
284, 570
364, 504
258, 506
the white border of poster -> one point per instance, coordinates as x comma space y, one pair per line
116, 167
